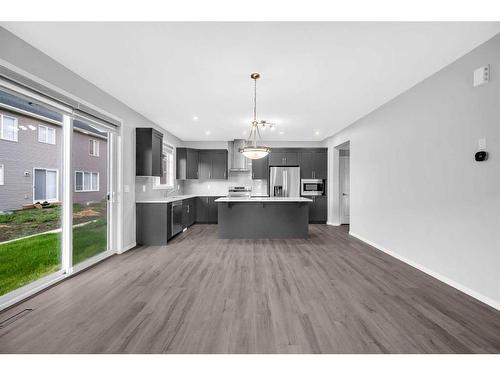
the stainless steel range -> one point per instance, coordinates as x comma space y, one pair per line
240, 191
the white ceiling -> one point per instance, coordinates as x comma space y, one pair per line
317, 78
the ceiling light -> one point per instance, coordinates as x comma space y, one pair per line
195, 118
316, 132
282, 133
208, 132
251, 149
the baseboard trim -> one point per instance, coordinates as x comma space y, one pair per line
444, 279
333, 224
127, 247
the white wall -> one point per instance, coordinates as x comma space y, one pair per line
416, 190
17, 52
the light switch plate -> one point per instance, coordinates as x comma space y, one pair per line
481, 75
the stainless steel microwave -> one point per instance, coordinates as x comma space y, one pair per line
311, 187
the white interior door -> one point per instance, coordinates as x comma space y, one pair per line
344, 190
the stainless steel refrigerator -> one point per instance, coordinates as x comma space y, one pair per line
284, 181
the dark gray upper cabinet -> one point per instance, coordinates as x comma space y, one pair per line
276, 157
283, 157
320, 165
204, 164
306, 164
148, 152
212, 164
187, 163
260, 168
318, 209
291, 158
219, 165
313, 163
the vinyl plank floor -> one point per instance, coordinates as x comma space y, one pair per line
328, 294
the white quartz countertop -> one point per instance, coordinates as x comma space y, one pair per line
263, 199
174, 198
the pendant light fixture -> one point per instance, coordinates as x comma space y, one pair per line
252, 150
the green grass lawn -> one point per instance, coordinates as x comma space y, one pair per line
29, 259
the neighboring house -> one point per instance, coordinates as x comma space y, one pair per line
31, 157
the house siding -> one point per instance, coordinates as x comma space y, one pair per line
22, 157
83, 161
28, 153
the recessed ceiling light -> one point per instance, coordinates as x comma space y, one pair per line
208, 132
273, 128
282, 133
316, 132
244, 132
195, 118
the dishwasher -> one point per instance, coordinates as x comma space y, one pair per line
176, 219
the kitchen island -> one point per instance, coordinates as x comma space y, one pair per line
263, 217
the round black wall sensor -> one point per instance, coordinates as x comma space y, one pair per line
481, 156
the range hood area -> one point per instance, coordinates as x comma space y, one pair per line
237, 162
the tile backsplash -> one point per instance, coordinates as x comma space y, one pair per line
144, 186
221, 187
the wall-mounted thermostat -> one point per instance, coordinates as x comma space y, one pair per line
481, 75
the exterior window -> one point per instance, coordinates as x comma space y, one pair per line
8, 128
86, 181
166, 181
93, 147
2, 181
46, 134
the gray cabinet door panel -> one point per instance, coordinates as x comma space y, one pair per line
192, 164
291, 158
219, 165
276, 158
204, 165
202, 209
306, 165
319, 164
260, 168
318, 210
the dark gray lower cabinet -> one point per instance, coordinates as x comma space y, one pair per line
153, 223
318, 209
188, 212
206, 210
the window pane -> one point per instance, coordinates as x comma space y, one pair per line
9, 128
86, 181
42, 134
51, 185
94, 181
90, 208
79, 181
51, 136
30, 176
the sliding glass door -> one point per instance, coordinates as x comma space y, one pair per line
31, 160
91, 206
57, 176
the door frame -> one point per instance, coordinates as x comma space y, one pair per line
342, 219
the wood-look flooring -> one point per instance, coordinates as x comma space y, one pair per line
329, 294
